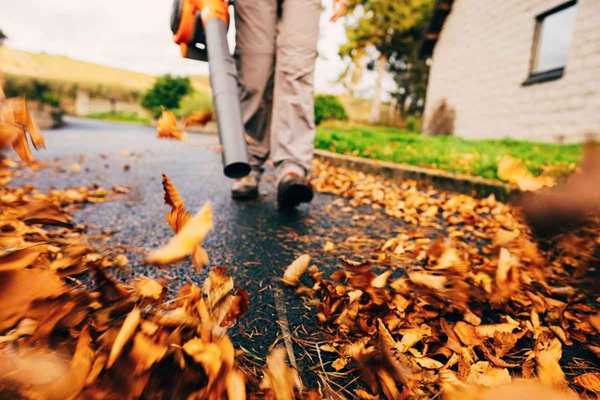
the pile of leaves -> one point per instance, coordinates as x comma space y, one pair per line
481, 305
68, 329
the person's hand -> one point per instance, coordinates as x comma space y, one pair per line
340, 8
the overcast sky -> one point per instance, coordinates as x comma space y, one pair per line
132, 34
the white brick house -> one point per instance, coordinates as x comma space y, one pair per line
516, 68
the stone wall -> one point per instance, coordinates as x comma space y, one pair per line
86, 104
483, 56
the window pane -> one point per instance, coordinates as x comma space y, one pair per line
555, 39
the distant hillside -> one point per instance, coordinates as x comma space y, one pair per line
85, 74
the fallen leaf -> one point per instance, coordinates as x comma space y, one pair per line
547, 356
20, 259
428, 363
380, 281
514, 171
435, 282
339, 364
186, 240
279, 378
482, 373
147, 287
166, 127
146, 352
128, 328
295, 270
328, 246
589, 381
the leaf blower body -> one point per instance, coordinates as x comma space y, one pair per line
200, 30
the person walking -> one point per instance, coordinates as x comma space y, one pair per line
276, 53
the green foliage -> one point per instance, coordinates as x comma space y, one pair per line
473, 157
120, 116
329, 107
198, 101
167, 92
394, 28
413, 124
31, 89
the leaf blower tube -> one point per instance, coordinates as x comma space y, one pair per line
200, 28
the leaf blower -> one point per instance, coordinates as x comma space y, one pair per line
200, 29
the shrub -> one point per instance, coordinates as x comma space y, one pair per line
167, 92
329, 107
31, 89
195, 102
442, 120
412, 124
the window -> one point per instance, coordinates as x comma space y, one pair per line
552, 40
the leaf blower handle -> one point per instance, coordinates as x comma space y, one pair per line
201, 30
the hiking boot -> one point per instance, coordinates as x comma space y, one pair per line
292, 190
246, 188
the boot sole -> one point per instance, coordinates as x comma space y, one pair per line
293, 195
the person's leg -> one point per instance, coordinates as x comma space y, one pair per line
293, 126
256, 24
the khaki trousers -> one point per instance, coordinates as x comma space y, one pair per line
276, 54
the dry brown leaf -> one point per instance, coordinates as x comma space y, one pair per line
482, 373
518, 389
412, 336
589, 381
340, 363
547, 357
381, 280
145, 352
20, 259
428, 363
166, 127
279, 378
505, 263
200, 258
514, 171
435, 282
236, 385
20, 288
147, 287
26, 327
199, 118
295, 270
492, 329
128, 328
186, 240
595, 321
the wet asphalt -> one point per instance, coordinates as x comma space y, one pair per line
252, 239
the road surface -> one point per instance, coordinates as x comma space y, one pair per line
252, 239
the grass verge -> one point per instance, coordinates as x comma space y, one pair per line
130, 117
453, 154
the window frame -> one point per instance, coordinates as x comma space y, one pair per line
551, 74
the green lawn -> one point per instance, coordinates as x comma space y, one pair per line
473, 157
121, 117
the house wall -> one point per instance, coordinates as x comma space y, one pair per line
483, 56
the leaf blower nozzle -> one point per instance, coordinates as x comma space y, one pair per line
200, 29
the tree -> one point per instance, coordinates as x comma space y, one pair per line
393, 29
167, 92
